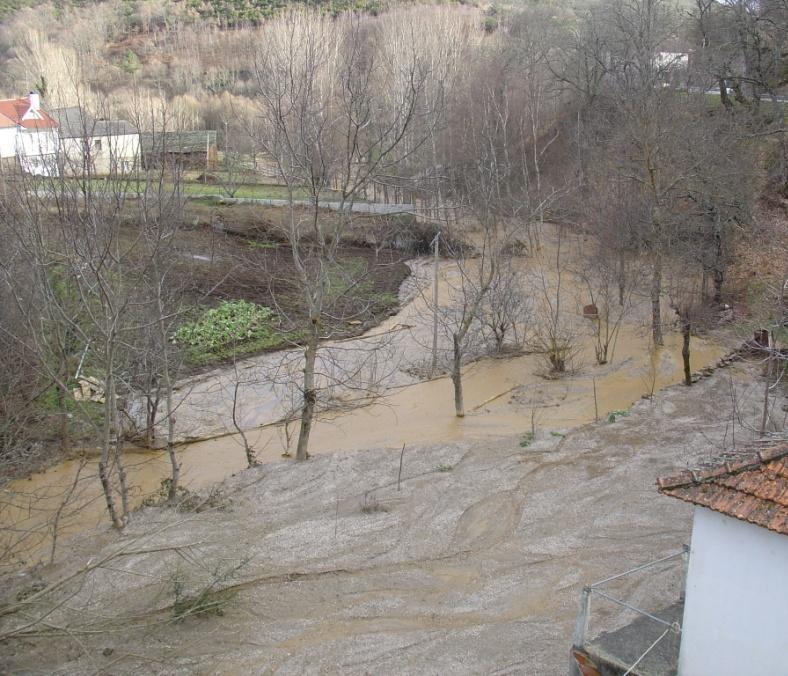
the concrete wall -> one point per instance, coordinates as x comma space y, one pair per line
736, 610
108, 154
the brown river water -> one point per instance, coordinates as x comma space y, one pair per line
503, 397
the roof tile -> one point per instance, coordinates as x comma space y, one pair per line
13, 110
753, 489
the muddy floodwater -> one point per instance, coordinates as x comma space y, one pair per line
503, 396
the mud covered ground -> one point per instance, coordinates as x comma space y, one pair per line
474, 565
239, 253
230, 253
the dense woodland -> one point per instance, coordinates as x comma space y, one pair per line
494, 120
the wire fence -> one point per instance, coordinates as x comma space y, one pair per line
672, 567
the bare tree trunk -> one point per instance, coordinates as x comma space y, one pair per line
656, 293
704, 284
310, 394
719, 278
175, 468
105, 471
719, 263
686, 327
124, 487
251, 461
435, 264
724, 98
765, 415
152, 411
118, 451
63, 431
104, 464
456, 378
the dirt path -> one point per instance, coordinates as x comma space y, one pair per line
474, 566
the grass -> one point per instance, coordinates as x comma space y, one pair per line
372, 505
202, 357
527, 440
250, 191
254, 244
49, 400
715, 101
444, 468
211, 190
615, 415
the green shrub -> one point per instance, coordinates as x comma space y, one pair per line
527, 440
130, 63
230, 323
615, 415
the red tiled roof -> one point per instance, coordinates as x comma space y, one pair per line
753, 489
13, 110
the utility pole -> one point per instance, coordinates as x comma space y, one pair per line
435, 261
207, 156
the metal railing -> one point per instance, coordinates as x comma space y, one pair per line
581, 626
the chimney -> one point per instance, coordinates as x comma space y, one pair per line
35, 101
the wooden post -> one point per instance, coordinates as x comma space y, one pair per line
435, 264
399, 474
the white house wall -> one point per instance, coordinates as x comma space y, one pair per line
107, 153
736, 608
36, 143
7, 142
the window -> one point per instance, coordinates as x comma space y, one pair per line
97, 144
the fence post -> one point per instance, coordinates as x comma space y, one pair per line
685, 555
581, 627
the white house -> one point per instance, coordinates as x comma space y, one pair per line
672, 60
96, 146
736, 601
28, 135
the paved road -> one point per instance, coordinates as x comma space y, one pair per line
356, 207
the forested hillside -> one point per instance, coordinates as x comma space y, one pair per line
220, 12
192, 57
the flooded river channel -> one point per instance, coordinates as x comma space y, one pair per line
503, 396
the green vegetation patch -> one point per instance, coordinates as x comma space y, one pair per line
237, 325
615, 415
527, 440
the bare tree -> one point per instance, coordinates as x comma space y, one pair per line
506, 312
554, 334
99, 277
609, 280
685, 300
319, 85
